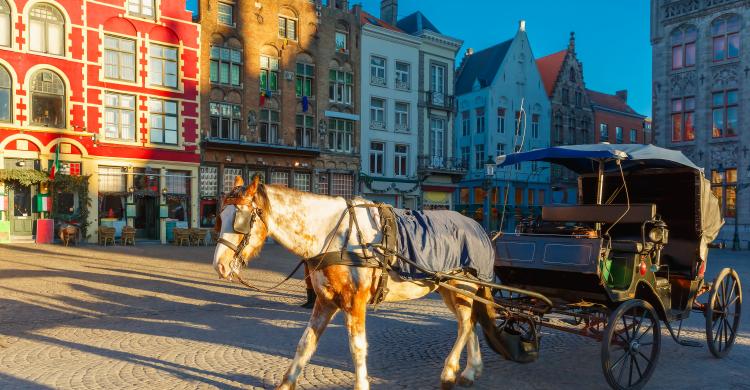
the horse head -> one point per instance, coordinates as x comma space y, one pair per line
244, 232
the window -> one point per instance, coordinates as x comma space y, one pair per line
565, 96
377, 71
143, 8
437, 138
500, 149
437, 78
287, 27
305, 130
480, 120
501, 120
340, 87
209, 181
163, 121
229, 175
683, 47
618, 134
119, 58
402, 75
377, 113
261, 173
402, 116
341, 38
683, 123
724, 186
226, 66
280, 178
340, 135
603, 132
269, 127
225, 120
400, 161
377, 156
47, 100
465, 124
323, 184
342, 184
535, 125
303, 84
465, 155
5, 24
225, 14
633, 136
163, 66
46, 30
726, 35
269, 73
579, 99
572, 75
119, 117
724, 113
6, 96
302, 181
558, 136
571, 131
479, 156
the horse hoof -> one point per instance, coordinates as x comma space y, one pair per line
465, 382
447, 385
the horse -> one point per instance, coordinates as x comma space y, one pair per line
307, 224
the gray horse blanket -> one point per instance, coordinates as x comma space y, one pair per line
444, 241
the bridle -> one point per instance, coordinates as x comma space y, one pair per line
243, 223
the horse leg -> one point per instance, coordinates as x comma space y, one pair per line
355, 324
473, 359
322, 313
460, 305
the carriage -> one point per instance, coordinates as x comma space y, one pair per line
627, 258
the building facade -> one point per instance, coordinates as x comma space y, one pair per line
571, 118
389, 136
502, 107
700, 96
111, 88
280, 95
616, 122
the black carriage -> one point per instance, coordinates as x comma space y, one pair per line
627, 258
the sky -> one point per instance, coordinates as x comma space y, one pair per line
612, 36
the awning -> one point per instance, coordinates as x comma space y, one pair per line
437, 198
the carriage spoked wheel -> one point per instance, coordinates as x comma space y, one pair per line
723, 312
631, 344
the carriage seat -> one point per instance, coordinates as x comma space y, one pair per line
595, 213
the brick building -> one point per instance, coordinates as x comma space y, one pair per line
571, 116
112, 85
280, 93
615, 121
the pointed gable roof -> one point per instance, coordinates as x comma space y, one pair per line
610, 102
549, 69
416, 23
367, 18
481, 66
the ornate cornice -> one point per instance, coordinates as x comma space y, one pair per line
677, 9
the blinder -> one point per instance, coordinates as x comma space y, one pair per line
244, 220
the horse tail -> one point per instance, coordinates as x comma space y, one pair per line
486, 315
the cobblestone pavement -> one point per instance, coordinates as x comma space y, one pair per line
157, 317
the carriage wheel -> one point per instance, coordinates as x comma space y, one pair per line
723, 312
630, 346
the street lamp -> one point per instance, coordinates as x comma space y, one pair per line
489, 176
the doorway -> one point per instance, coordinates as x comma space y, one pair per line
146, 219
21, 213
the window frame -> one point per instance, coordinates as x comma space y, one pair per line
501, 120
680, 112
5, 73
7, 12
140, 13
44, 34
233, 120
270, 70
304, 79
164, 114
603, 132
437, 149
339, 48
377, 158
378, 114
724, 36
402, 77
304, 129
438, 79
340, 133
401, 117
376, 69
683, 45
121, 54
479, 157
285, 20
535, 125
340, 86
269, 122
724, 108
216, 56
466, 123
401, 160
153, 60
480, 120
221, 16
119, 110
63, 98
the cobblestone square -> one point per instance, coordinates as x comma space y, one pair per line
157, 317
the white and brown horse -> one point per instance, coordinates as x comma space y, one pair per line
304, 223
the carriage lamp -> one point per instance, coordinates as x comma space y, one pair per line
659, 234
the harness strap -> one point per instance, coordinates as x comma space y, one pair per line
227, 243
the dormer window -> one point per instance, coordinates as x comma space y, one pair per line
141, 8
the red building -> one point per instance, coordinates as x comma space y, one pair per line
614, 120
112, 86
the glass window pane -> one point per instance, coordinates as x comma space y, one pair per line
731, 97
170, 137
733, 49
719, 48
718, 99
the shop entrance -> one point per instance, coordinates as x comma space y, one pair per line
21, 213
147, 217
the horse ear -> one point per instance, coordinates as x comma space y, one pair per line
238, 182
253, 187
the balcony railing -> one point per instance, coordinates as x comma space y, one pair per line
439, 100
443, 164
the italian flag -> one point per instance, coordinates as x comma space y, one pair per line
56, 165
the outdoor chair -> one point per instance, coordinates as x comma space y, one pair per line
197, 236
181, 236
106, 234
128, 235
214, 236
69, 234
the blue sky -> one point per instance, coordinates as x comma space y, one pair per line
612, 37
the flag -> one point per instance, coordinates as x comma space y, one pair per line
305, 103
262, 98
56, 165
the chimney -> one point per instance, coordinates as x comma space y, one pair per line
339, 4
389, 11
522, 25
572, 41
623, 94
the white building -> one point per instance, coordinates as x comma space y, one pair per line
389, 99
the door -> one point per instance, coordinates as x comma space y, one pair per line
21, 212
147, 217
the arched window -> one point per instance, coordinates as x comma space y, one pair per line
726, 33
6, 98
5, 26
46, 30
683, 46
288, 24
47, 99
572, 75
